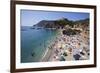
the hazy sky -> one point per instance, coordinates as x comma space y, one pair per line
31, 17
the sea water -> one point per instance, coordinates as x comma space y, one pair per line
34, 43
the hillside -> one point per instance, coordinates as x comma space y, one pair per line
61, 23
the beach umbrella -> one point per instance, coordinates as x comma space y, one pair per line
63, 45
76, 57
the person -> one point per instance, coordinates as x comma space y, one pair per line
76, 56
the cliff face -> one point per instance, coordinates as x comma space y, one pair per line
61, 23
46, 24
52, 23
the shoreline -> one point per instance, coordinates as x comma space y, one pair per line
55, 54
47, 54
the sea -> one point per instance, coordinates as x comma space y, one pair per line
35, 42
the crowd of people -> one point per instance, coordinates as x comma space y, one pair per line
73, 47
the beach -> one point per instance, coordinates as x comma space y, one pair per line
64, 44
47, 36
69, 48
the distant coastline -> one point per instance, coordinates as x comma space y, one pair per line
61, 23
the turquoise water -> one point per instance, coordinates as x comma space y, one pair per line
34, 43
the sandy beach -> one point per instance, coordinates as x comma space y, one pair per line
67, 48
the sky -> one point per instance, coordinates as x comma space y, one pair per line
32, 17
